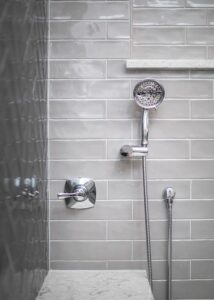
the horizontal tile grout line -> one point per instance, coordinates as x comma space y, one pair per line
109, 140
92, 40
187, 280
104, 21
137, 119
127, 79
186, 240
140, 201
118, 260
126, 39
139, 179
124, 99
182, 26
125, 159
131, 221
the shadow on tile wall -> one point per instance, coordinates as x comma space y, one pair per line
23, 148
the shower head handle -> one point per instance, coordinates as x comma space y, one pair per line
145, 128
148, 94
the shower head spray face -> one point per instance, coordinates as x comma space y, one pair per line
149, 94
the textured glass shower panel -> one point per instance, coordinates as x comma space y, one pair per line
23, 148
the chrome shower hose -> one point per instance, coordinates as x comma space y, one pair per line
147, 224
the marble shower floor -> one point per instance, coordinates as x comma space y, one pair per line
96, 285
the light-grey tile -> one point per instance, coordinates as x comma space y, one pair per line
75, 109
91, 149
182, 209
160, 290
202, 74
104, 169
89, 49
123, 110
195, 89
158, 250
159, 4
180, 269
75, 69
86, 89
178, 129
78, 265
157, 35
200, 35
127, 265
89, 10
180, 169
202, 149
77, 30
181, 249
88, 129
202, 229
194, 289
169, 52
202, 269
193, 209
103, 210
118, 30
202, 109
168, 149
203, 189
200, 3
128, 109
135, 230
157, 210
211, 52
133, 189
90, 250
210, 16
169, 16
77, 230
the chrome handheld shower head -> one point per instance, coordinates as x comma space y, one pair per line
148, 94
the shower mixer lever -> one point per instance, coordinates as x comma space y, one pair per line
77, 193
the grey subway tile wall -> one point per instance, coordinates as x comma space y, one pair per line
92, 113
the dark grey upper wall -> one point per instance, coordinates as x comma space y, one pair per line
23, 148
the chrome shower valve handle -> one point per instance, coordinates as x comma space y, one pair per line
79, 193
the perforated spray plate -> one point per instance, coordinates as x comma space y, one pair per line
149, 93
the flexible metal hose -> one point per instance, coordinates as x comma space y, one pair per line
169, 254
147, 225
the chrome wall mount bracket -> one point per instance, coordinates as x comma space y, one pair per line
79, 193
169, 195
133, 151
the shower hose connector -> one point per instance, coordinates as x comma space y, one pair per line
133, 151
